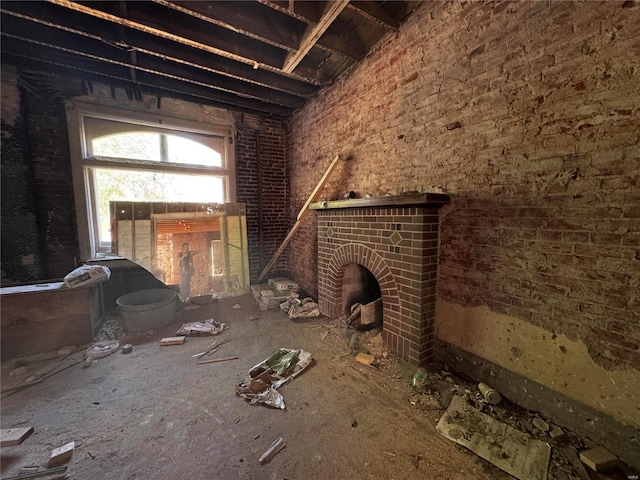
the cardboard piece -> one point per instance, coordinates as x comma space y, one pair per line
507, 448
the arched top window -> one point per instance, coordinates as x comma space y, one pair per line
128, 156
115, 139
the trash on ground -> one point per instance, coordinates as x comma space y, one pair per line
540, 424
61, 454
87, 275
272, 451
504, 446
190, 307
102, 349
556, 432
598, 459
419, 378
254, 317
127, 348
297, 308
16, 372
10, 437
205, 327
215, 360
365, 358
491, 395
267, 376
237, 305
172, 341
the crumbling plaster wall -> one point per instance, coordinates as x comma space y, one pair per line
39, 234
528, 114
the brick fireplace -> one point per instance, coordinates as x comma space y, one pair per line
396, 239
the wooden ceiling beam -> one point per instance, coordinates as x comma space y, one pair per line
375, 13
254, 20
256, 57
96, 50
313, 33
119, 77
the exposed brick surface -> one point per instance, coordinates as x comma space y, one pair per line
261, 166
528, 114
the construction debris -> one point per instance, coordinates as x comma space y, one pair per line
171, 341
205, 327
491, 395
10, 437
273, 450
269, 297
127, 348
270, 374
61, 455
504, 446
365, 358
215, 360
297, 308
102, 349
598, 459
283, 284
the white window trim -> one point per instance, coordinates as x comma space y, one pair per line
81, 162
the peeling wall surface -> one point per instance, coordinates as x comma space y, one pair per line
551, 359
528, 115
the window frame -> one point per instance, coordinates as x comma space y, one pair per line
83, 165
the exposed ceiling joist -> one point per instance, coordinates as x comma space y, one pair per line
313, 33
260, 56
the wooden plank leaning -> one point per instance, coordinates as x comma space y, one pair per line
301, 215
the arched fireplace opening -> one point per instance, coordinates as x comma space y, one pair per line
361, 297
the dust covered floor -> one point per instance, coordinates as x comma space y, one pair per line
155, 414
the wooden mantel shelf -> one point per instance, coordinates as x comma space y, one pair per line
433, 199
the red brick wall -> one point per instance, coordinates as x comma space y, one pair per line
528, 114
261, 165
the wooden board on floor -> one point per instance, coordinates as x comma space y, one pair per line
171, 341
14, 436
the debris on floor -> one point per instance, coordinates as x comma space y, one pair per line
102, 349
211, 349
283, 284
491, 395
270, 374
216, 360
272, 451
365, 358
10, 437
268, 297
205, 327
598, 459
296, 308
61, 455
127, 348
172, 341
237, 305
507, 448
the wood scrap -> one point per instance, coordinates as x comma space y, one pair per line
214, 360
61, 454
365, 358
41, 473
171, 341
301, 215
10, 437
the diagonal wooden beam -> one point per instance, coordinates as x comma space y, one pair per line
375, 13
313, 33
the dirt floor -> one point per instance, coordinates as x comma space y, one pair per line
156, 414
